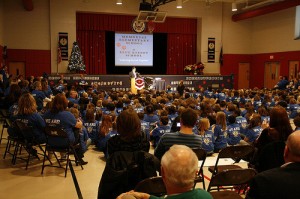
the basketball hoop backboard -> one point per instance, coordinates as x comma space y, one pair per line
157, 17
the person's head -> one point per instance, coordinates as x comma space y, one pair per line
292, 148
75, 112
188, 118
279, 120
231, 119
203, 125
182, 175
297, 121
73, 94
128, 124
221, 119
37, 85
26, 104
133, 69
90, 115
60, 103
164, 120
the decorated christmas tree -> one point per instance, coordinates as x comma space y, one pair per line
76, 63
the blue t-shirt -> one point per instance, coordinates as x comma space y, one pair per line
39, 97
37, 122
92, 130
145, 127
233, 134
208, 140
220, 137
102, 144
253, 134
62, 119
158, 132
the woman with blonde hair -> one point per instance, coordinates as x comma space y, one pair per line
220, 131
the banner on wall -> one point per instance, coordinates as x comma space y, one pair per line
211, 50
63, 45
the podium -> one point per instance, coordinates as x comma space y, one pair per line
132, 85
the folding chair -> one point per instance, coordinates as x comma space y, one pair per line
17, 141
201, 154
234, 152
228, 184
29, 141
153, 186
54, 134
4, 118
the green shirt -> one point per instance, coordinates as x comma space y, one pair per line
194, 194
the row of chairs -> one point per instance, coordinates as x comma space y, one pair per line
25, 139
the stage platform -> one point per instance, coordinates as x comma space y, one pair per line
122, 82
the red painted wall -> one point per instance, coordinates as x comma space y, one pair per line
231, 65
257, 63
36, 61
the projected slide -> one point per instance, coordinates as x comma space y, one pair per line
133, 49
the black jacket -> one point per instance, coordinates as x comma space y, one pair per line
123, 170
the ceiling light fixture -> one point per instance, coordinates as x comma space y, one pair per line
119, 2
179, 3
233, 8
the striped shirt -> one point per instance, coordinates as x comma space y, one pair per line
169, 139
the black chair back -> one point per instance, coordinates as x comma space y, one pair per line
153, 186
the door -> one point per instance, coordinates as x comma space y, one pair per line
16, 68
243, 76
294, 69
272, 71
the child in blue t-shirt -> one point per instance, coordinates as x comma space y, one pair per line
163, 128
91, 125
254, 129
233, 131
206, 135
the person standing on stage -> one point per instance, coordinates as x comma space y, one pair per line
133, 73
180, 88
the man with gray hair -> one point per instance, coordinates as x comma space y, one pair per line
282, 182
179, 166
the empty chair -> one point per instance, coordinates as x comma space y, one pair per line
234, 152
223, 185
4, 118
153, 186
201, 154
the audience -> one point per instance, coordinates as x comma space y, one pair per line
179, 179
185, 136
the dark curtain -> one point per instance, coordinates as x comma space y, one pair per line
91, 27
92, 45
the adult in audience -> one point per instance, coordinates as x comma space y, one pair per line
270, 143
27, 113
39, 95
185, 136
281, 182
58, 116
180, 88
130, 137
179, 179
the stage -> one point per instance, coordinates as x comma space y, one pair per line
160, 82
